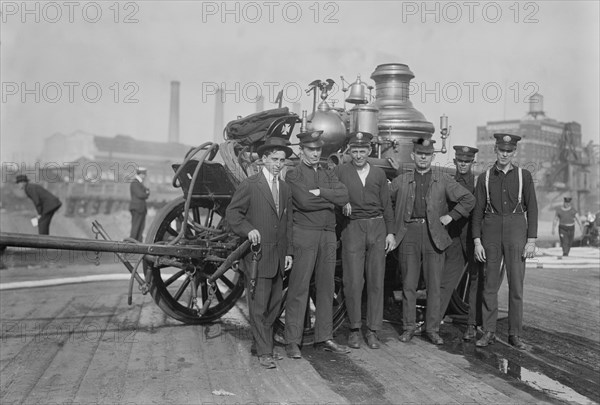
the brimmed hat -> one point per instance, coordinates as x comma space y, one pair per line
312, 139
141, 170
275, 142
567, 199
507, 141
422, 145
465, 152
21, 178
360, 139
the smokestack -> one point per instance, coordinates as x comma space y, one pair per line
174, 113
219, 117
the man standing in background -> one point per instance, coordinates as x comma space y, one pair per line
461, 251
565, 217
46, 203
137, 206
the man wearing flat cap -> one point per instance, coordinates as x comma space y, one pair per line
504, 225
565, 217
137, 206
461, 251
367, 236
421, 199
316, 193
46, 203
261, 210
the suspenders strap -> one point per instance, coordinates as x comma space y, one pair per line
487, 190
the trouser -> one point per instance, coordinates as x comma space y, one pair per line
416, 249
44, 222
454, 267
263, 311
566, 233
504, 236
476, 279
363, 256
314, 251
138, 221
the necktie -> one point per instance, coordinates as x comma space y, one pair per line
275, 194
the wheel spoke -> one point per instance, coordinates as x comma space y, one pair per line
173, 278
219, 294
181, 289
227, 282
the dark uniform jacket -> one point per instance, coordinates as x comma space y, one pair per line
252, 207
139, 195
461, 228
443, 189
44, 201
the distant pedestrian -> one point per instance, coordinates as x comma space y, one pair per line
45, 202
505, 224
137, 206
368, 235
565, 217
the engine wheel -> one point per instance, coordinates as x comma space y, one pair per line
171, 287
339, 309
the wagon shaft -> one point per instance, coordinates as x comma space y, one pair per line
92, 245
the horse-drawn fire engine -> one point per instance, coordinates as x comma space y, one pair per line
190, 256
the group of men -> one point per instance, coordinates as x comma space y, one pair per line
439, 223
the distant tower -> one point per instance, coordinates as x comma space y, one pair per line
174, 113
536, 106
219, 117
260, 104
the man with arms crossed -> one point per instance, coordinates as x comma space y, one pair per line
316, 193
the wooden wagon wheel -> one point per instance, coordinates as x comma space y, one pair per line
171, 287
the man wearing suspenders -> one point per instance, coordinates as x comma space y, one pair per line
504, 225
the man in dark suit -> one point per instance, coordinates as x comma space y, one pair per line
422, 196
137, 206
45, 202
261, 210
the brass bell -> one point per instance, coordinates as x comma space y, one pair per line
357, 93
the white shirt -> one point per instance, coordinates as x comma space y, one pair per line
269, 176
364, 173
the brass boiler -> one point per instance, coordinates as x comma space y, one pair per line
363, 117
398, 122
331, 123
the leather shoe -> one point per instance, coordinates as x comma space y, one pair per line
407, 335
488, 338
470, 333
331, 346
434, 338
293, 351
266, 361
354, 339
372, 340
516, 342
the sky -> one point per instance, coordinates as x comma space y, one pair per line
105, 67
